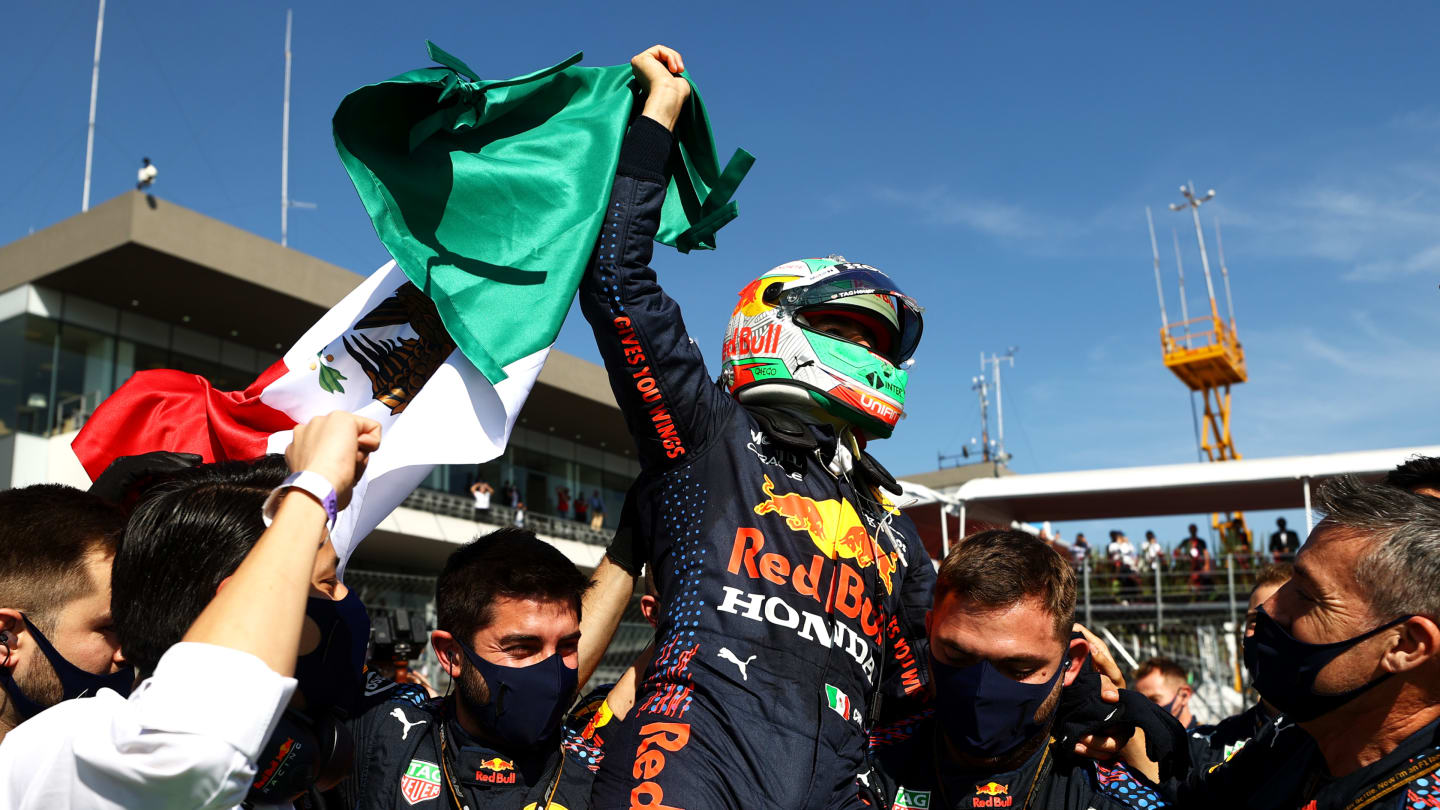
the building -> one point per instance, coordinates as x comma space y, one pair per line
140, 283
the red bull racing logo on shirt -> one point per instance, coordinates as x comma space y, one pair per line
497, 771
833, 525
996, 795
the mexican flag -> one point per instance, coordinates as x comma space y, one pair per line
381, 353
489, 195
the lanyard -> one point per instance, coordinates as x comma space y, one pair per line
1393, 782
455, 790
1042, 771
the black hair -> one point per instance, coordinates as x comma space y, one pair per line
1420, 471
509, 562
46, 530
184, 538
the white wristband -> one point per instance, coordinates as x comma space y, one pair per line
311, 483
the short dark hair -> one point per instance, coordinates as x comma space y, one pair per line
1274, 574
184, 538
1001, 567
46, 530
509, 562
1420, 471
1167, 668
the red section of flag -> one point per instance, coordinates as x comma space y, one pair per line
182, 413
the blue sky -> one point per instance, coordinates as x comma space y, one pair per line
996, 159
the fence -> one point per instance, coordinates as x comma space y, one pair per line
460, 506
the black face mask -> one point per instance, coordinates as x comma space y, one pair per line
985, 712
333, 674
526, 703
1284, 668
74, 681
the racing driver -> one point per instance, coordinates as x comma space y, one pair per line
792, 592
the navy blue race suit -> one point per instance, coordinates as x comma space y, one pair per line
411, 752
1212, 744
1282, 769
916, 772
789, 594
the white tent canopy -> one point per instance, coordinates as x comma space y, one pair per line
1268, 483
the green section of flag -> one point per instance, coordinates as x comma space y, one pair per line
490, 194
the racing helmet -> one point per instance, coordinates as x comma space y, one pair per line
773, 355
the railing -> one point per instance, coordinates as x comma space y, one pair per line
460, 506
1169, 590
1211, 331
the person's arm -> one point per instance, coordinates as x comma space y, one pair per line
658, 374
610, 589
189, 735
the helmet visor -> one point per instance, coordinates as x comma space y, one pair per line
832, 291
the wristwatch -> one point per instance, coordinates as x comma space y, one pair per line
313, 484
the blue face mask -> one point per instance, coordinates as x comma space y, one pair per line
1284, 668
333, 674
74, 681
984, 712
526, 703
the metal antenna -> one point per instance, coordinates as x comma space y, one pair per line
1225, 274
1193, 203
1155, 253
1180, 265
94, 91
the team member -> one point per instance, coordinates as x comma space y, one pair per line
56, 545
218, 660
1001, 651
508, 610
1216, 743
1420, 475
1167, 684
1349, 651
790, 589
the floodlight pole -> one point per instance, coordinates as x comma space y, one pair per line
1193, 203
285, 143
94, 92
1225, 274
1155, 254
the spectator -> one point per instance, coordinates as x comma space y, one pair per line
56, 637
512, 495
582, 509
1216, 743
1167, 685
597, 511
519, 514
1193, 553
507, 608
1349, 651
562, 501
481, 491
217, 660
1080, 550
1284, 542
1152, 554
1121, 553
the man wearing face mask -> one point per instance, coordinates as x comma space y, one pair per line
1001, 650
1167, 685
507, 609
210, 606
56, 545
1348, 650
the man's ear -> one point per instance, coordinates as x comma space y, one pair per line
447, 651
650, 609
1418, 643
12, 637
1077, 653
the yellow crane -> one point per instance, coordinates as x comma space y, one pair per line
1204, 352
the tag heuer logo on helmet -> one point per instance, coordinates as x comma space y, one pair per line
421, 781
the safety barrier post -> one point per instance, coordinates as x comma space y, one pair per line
1159, 599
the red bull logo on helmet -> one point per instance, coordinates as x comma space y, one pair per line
833, 525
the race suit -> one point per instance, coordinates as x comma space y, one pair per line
918, 775
1282, 769
789, 592
399, 763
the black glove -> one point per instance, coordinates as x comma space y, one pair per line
127, 476
629, 549
1082, 711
